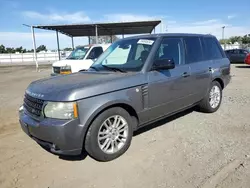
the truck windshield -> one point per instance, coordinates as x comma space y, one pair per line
78, 53
125, 55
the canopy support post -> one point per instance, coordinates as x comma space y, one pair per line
111, 38
96, 34
89, 39
58, 46
72, 41
34, 46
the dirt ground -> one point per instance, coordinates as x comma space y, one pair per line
190, 150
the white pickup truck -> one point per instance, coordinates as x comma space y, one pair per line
79, 59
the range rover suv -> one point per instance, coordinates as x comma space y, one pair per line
136, 81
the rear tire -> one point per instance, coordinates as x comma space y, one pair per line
212, 100
110, 134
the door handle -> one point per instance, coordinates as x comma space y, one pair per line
185, 74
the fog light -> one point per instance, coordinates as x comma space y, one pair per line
65, 72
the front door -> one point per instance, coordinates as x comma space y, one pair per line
168, 90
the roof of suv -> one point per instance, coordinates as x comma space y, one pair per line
94, 45
171, 35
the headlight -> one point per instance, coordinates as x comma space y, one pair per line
61, 110
65, 70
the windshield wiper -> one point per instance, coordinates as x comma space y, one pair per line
72, 58
113, 68
94, 68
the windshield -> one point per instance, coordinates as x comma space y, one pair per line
78, 53
125, 55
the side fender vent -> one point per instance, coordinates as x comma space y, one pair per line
144, 90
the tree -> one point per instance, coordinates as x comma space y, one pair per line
10, 50
246, 39
41, 48
235, 39
67, 49
20, 50
2, 49
224, 41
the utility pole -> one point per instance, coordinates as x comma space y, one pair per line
223, 28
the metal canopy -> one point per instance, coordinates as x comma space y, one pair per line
121, 28
95, 29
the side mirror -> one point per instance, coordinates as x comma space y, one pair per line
163, 64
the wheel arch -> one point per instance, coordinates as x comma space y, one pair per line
220, 81
126, 106
122, 104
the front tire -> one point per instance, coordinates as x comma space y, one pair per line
110, 134
212, 100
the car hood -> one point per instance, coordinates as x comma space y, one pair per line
82, 85
76, 65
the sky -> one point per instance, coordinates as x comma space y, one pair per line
190, 16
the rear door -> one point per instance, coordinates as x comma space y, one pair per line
200, 66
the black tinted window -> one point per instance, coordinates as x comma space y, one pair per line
211, 49
244, 52
171, 48
95, 53
193, 49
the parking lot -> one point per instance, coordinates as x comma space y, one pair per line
189, 150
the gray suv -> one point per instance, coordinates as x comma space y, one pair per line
135, 82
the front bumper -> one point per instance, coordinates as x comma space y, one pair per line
62, 137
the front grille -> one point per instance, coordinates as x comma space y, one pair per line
33, 106
57, 70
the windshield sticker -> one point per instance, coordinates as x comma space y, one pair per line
145, 41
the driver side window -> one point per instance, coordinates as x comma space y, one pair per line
95, 53
139, 50
171, 48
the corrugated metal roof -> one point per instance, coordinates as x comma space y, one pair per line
80, 30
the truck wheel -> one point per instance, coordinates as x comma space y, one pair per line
212, 100
110, 134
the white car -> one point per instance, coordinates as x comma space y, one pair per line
79, 59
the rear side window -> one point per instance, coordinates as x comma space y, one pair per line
228, 51
193, 49
244, 52
211, 50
